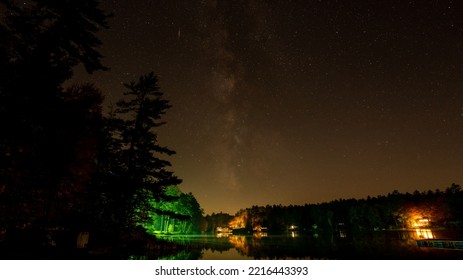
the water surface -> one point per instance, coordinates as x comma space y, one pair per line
380, 245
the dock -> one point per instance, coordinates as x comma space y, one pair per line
440, 244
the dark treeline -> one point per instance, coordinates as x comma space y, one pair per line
393, 211
215, 220
67, 171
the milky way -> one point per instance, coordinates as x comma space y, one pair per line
297, 102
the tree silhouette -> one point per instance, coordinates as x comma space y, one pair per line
47, 38
83, 113
137, 161
41, 43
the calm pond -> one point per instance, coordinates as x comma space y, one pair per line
380, 245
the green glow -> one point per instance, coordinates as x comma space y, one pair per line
177, 213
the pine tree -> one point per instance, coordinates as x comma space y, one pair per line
141, 166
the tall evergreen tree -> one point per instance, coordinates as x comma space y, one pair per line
142, 167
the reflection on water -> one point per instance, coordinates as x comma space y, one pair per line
223, 235
260, 234
240, 243
423, 233
232, 254
399, 244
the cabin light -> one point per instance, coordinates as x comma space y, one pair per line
421, 222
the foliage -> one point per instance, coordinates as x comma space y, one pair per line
175, 212
48, 38
211, 222
396, 210
48, 133
65, 167
132, 170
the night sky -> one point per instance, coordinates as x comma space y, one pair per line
293, 102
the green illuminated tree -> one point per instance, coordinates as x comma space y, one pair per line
175, 212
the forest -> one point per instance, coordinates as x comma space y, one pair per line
385, 212
70, 170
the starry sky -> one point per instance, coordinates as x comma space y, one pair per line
293, 102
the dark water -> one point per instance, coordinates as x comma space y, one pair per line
380, 245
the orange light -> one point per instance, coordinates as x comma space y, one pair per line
424, 233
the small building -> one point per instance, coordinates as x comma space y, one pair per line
223, 230
422, 222
260, 228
